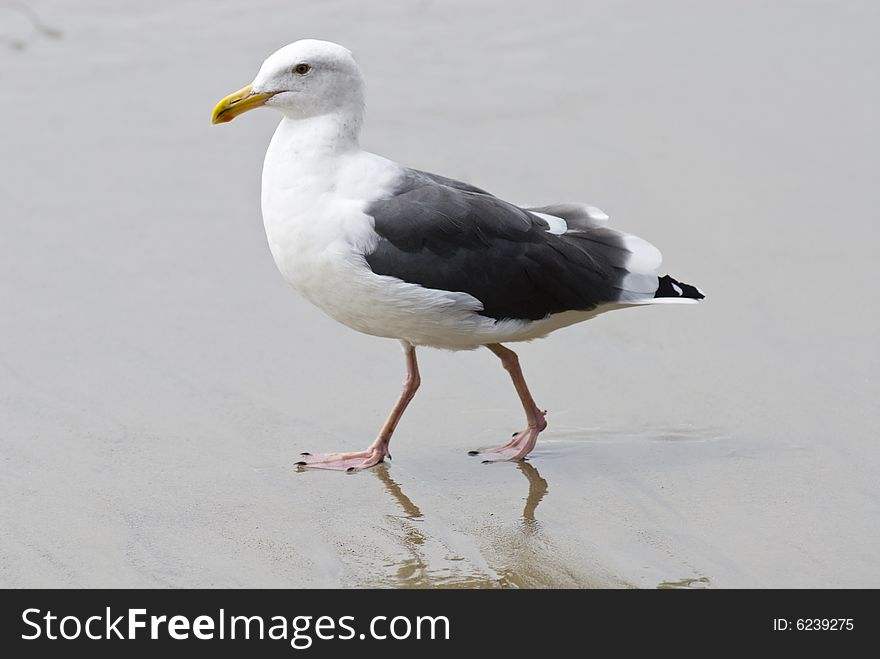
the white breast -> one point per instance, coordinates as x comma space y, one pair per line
313, 210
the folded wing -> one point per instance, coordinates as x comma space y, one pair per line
519, 263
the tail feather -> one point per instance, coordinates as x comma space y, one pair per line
672, 288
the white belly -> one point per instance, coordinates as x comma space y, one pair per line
327, 266
332, 273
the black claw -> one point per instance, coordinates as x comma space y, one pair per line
350, 469
307, 453
301, 463
473, 452
486, 462
513, 435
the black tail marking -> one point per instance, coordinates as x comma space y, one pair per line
670, 287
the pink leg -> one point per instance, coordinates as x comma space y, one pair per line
524, 441
378, 450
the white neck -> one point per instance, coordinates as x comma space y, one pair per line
306, 161
320, 136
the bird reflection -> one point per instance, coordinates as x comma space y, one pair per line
415, 570
537, 490
423, 545
410, 510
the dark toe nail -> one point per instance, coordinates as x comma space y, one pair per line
350, 469
301, 463
473, 452
514, 434
485, 462
305, 453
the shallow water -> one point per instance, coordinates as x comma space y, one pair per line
158, 379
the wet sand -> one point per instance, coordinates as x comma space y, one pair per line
158, 379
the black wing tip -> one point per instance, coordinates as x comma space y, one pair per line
669, 287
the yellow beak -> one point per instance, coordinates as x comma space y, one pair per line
236, 103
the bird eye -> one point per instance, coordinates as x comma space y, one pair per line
301, 69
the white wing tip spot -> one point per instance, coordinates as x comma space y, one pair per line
596, 214
555, 225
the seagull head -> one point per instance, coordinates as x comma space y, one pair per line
304, 79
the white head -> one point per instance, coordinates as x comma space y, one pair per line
307, 78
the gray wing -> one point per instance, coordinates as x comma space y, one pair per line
443, 234
577, 216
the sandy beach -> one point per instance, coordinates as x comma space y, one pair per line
158, 378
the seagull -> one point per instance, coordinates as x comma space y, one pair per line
401, 253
